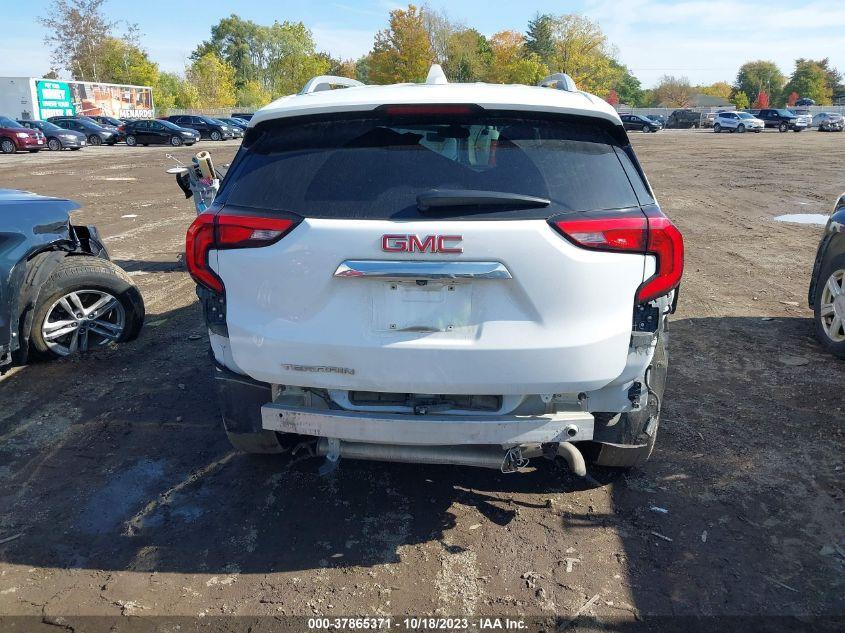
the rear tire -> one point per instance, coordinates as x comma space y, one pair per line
81, 274
635, 445
717, 128
131, 141
833, 343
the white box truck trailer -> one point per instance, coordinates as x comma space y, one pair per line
34, 98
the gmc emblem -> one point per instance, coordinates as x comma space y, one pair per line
429, 244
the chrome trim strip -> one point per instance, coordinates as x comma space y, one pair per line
392, 269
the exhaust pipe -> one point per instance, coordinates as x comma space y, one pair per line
479, 456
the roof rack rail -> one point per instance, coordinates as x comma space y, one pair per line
561, 81
325, 82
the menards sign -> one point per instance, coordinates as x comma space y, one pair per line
57, 98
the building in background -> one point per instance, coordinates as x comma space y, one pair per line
34, 98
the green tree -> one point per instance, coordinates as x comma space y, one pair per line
627, 87
810, 80
172, 91
253, 95
540, 37
281, 57
468, 56
238, 42
511, 63
575, 45
291, 58
401, 52
740, 100
76, 30
760, 75
123, 62
214, 81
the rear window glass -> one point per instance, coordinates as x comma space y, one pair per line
374, 167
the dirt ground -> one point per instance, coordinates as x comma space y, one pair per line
121, 496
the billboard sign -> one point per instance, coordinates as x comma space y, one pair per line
56, 98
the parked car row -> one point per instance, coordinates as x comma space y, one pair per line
75, 132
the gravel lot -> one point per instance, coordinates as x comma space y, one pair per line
121, 495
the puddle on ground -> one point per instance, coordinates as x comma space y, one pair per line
816, 219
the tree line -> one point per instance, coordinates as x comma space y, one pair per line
248, 64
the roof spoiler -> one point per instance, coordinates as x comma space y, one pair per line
325, 82
561, 81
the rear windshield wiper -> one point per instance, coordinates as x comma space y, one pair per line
450, 198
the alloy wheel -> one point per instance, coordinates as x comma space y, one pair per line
54, 144
83, 320
832, 307
7, 146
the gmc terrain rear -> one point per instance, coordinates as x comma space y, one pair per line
439, 273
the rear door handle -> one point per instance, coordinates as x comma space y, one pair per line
393, 269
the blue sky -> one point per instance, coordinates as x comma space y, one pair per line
705, 40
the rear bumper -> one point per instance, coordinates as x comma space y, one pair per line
429, 430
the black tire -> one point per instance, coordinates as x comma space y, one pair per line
80, 273
647, 129
632, 446
94, 140
837, 348
175, 141
783, 127
54, 145
7, 146
717, 128
131, 141
216, 136
740, 128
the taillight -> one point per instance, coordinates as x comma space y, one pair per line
652, 234
223, 232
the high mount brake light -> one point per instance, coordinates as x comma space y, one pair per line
651, 234
434, 109
224, 232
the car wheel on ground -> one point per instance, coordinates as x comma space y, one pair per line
740, 128
95, 140
87, 303
717, 128
131, 141
175, 141
783, 127
216, 136
7, 146
829, 307
647, 129
54, 144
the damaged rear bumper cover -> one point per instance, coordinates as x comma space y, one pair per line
429, 430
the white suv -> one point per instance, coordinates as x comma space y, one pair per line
438, 273
738, 122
